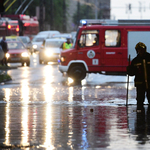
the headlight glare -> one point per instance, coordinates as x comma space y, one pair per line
34, 46
25, 54
7, 55
48, 53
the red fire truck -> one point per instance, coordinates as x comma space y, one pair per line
103, 46
27, 25
8, 27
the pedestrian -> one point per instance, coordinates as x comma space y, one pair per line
5, 50
140, 68
67, 45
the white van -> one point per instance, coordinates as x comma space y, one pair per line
48, 34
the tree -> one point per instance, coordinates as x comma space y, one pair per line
54, 12
85, 12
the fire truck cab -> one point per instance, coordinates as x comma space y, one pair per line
103, 46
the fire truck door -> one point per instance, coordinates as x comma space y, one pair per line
112, 51
89, 49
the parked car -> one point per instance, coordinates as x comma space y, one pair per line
49, 34
50, 50
27, 42
17, 53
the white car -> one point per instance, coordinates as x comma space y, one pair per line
48, 34
37, 42
50, 50
63, 36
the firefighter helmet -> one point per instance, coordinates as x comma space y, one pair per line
141, 46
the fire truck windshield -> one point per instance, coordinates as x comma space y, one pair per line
75, 38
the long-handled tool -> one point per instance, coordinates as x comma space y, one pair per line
127, 84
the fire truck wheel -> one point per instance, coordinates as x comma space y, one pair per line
78, 73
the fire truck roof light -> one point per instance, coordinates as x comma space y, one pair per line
83, 22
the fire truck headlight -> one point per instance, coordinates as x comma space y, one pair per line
62, 59
34, 46
7, 55
25, 54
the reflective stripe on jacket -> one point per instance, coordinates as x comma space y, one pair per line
66, 45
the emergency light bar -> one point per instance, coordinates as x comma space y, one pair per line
85, 22
97, 21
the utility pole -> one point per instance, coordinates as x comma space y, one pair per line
51, 15
78, 13
96, 5
64, 16
41, 20
87, 10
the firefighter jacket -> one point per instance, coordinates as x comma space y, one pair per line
140, 68
67, 45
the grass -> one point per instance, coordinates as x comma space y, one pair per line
3, 75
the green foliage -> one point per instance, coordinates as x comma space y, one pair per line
85, 12
4, 77
57, 11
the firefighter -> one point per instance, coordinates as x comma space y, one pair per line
5, 50
67, 44
140, 68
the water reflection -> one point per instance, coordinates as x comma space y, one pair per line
54, 116
24, 112
142, 126
7, 122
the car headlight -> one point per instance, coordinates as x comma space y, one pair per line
25, 54
48, 53
34, 46
7, 55
62, 59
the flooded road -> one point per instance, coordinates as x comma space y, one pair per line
41, 109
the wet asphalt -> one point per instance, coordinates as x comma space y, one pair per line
39, 110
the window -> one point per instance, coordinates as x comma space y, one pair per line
89, 38
112, 38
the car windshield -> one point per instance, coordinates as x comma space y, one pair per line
38, 39
59, 38
15, 45
55, 44
24, 39
12, 39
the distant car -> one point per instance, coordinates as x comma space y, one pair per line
50, 50
37, 42
49, 34
17, 53
12, 38
63, 36
27, 42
